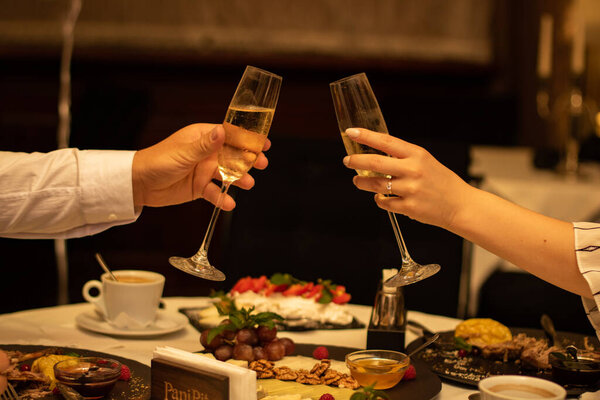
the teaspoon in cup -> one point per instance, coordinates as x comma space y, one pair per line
105, 267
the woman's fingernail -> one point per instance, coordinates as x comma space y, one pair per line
352, 132
346, 160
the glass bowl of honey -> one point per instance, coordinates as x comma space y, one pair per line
381, 368
92, 377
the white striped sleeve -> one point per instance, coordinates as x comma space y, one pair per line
587, 250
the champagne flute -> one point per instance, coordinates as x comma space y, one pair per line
246, 126
356, 107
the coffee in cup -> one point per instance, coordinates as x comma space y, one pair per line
519, 387
130, 302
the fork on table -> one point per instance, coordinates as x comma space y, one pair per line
9, 394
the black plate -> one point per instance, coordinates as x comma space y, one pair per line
138, 387
286, 325
443, 360
426, 385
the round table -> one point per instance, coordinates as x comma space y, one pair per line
55, 326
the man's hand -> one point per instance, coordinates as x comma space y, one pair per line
182, 167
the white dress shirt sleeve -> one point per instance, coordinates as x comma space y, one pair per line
587, 250
65, 193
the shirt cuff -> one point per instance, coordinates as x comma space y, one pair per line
106, 187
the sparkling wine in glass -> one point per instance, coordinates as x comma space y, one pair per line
356, 107
246, 126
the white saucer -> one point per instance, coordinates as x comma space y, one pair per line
166, 322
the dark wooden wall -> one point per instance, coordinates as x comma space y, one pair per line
304, 216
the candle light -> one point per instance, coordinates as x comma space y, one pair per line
544, 62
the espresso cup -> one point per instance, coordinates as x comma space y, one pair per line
130, 302
519, 387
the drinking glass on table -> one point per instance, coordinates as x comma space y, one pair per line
246, 126
356, 107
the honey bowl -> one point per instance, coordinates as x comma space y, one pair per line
92, 377
381, 368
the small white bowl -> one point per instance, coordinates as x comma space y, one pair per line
519, 387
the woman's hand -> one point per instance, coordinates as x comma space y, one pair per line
423, 188
182, 167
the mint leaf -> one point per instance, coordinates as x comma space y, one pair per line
326, 296
214, 332
462, 344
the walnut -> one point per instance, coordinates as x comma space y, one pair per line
265, 374
348, 382
261, 365
285, 373
331, 377
310, 379
319, 368
302, 372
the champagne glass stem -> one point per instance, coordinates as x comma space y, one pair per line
201, 256
406, 260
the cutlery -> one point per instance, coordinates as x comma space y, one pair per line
425, 344
549, 330
68, 393
10, 393
105, 266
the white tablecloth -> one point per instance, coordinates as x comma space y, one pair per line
56, 326
510, 174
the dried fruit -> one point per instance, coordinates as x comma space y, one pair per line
321, 353
411, 373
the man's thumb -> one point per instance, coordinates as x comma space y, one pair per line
207, 143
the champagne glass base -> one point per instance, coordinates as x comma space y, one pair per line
193, 268
412, 273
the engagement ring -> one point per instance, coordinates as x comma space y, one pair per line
388, 186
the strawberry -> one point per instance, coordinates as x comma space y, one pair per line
272, 288
327, 396
296, 289
243, 285
411, 373
314, 291
259, 284
321, 353
125, 373
341, 298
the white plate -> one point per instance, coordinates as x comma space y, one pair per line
166, 322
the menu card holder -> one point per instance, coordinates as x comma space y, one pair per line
387, 326
173, 381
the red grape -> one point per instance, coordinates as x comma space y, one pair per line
275, 350
242, 351
224, 352
266, 334
216, 342
289, 345
246, 336
259, 353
